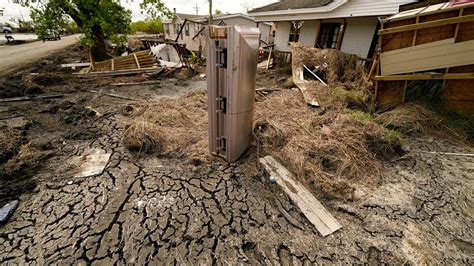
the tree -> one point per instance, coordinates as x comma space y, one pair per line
217, 12
100, 20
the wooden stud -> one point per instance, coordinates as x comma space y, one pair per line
461, 11
416, 31
404, 91
426, 77
112, 64
136, 60
429, 24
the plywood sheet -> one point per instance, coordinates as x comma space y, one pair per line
435, 55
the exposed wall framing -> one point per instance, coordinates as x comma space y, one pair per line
429, 43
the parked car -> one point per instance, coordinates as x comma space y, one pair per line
6, 29
50, 35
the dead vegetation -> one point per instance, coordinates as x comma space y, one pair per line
145, 137
411, 119
184, 120
327, 150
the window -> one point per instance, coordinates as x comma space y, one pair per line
1, 12
177, 26
167, 29
295, 31
186, 29
330, 35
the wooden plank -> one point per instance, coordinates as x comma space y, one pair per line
316, 213
303, 86
74, 65
440, 54
427, 76
30, 98
112, 64
269, 56
136, 60
429, 24
118, 72
148, 82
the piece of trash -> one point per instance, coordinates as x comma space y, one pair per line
202, 75
69, 182
7, 210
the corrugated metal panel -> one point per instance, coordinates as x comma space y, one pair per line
231, 70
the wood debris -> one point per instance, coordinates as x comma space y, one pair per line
324, 222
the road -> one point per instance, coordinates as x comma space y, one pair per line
16, 56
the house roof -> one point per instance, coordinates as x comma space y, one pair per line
291, 4
183, 16
432, 9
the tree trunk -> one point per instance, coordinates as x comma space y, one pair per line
99, 50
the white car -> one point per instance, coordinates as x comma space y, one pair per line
6, 29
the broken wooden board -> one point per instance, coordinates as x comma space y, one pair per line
303, 85
429, 56
93, 163
324, 222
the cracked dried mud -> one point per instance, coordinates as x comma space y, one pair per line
147, 209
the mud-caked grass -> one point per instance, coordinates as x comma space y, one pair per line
144, 137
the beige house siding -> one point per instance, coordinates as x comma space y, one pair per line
194, 28
357, 39
308, 32
358, 35
282, 35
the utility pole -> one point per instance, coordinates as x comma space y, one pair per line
197, 9
210, 12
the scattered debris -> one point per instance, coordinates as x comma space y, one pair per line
149, 82
93, 163
7, 210
331, 67
308, 204
167, 55
31, 98
76, 65
19, 122
116, 96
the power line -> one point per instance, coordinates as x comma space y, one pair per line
197, 9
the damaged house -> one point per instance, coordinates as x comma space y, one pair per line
347, 25
192, 33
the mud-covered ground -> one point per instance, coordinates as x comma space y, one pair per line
154, 209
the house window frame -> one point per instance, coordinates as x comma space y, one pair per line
295, 28
186, 29
330, 35
1, 13
167, 29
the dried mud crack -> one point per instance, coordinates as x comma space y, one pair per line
156, 210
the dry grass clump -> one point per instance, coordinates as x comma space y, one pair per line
185, 122
326, 150
143, 137
10, 142
410, 119
335, 67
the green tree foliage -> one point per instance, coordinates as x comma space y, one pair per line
155, 8
99, 20
154, 26
217, 12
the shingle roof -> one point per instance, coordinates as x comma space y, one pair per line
291, 4
183, 16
